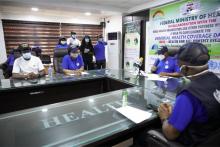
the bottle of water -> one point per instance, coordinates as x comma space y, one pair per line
124, 98
50, 72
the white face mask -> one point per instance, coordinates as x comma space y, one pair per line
27, 56
161, 57
87, 40
74, 55
198, 74
74, 36
100, 39
63, 42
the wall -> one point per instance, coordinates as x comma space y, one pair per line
149, 4
113, 24
3, 56
16, 13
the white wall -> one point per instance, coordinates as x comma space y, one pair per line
150, 4
3, 56
113, 24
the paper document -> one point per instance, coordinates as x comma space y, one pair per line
155, 77
72, 74
134, 114
84, 73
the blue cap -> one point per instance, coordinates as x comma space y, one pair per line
74, 49
162, 50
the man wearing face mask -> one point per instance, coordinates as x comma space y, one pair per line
27, 66
195, 115
62, 43
165, 65
87, 52
73, 62
73, 40
99, 51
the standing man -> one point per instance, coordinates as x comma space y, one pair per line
62, 43
73, 41
99, 51
165, 65
27, 66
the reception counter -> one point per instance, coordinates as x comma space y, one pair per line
78, 111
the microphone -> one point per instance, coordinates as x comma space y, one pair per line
139, 62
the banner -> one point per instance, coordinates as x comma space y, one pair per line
187, 21
132, 44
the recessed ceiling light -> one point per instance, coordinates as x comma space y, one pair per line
88, 14
34, 9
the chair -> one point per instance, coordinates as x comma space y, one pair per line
57, 59
7, 66
156, 138
45, 59
36, 51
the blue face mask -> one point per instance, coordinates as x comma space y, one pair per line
27, 56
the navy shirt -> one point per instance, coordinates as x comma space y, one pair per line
168, 65
72, 64
99, 50
187, 109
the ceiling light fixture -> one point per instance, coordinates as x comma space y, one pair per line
88, 14
34, 9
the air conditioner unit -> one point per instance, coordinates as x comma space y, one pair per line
114, 50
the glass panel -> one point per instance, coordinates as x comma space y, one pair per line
73, 123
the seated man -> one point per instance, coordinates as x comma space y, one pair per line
165, 65
73, 62
27, 66
196, 111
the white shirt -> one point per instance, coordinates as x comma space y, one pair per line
74, 42
27, 66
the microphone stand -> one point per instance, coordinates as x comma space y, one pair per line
139, 72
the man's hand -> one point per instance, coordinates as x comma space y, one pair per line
153, 68
163, 74
164, 111
78, 72
32, 76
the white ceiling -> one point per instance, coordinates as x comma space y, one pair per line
100, 7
